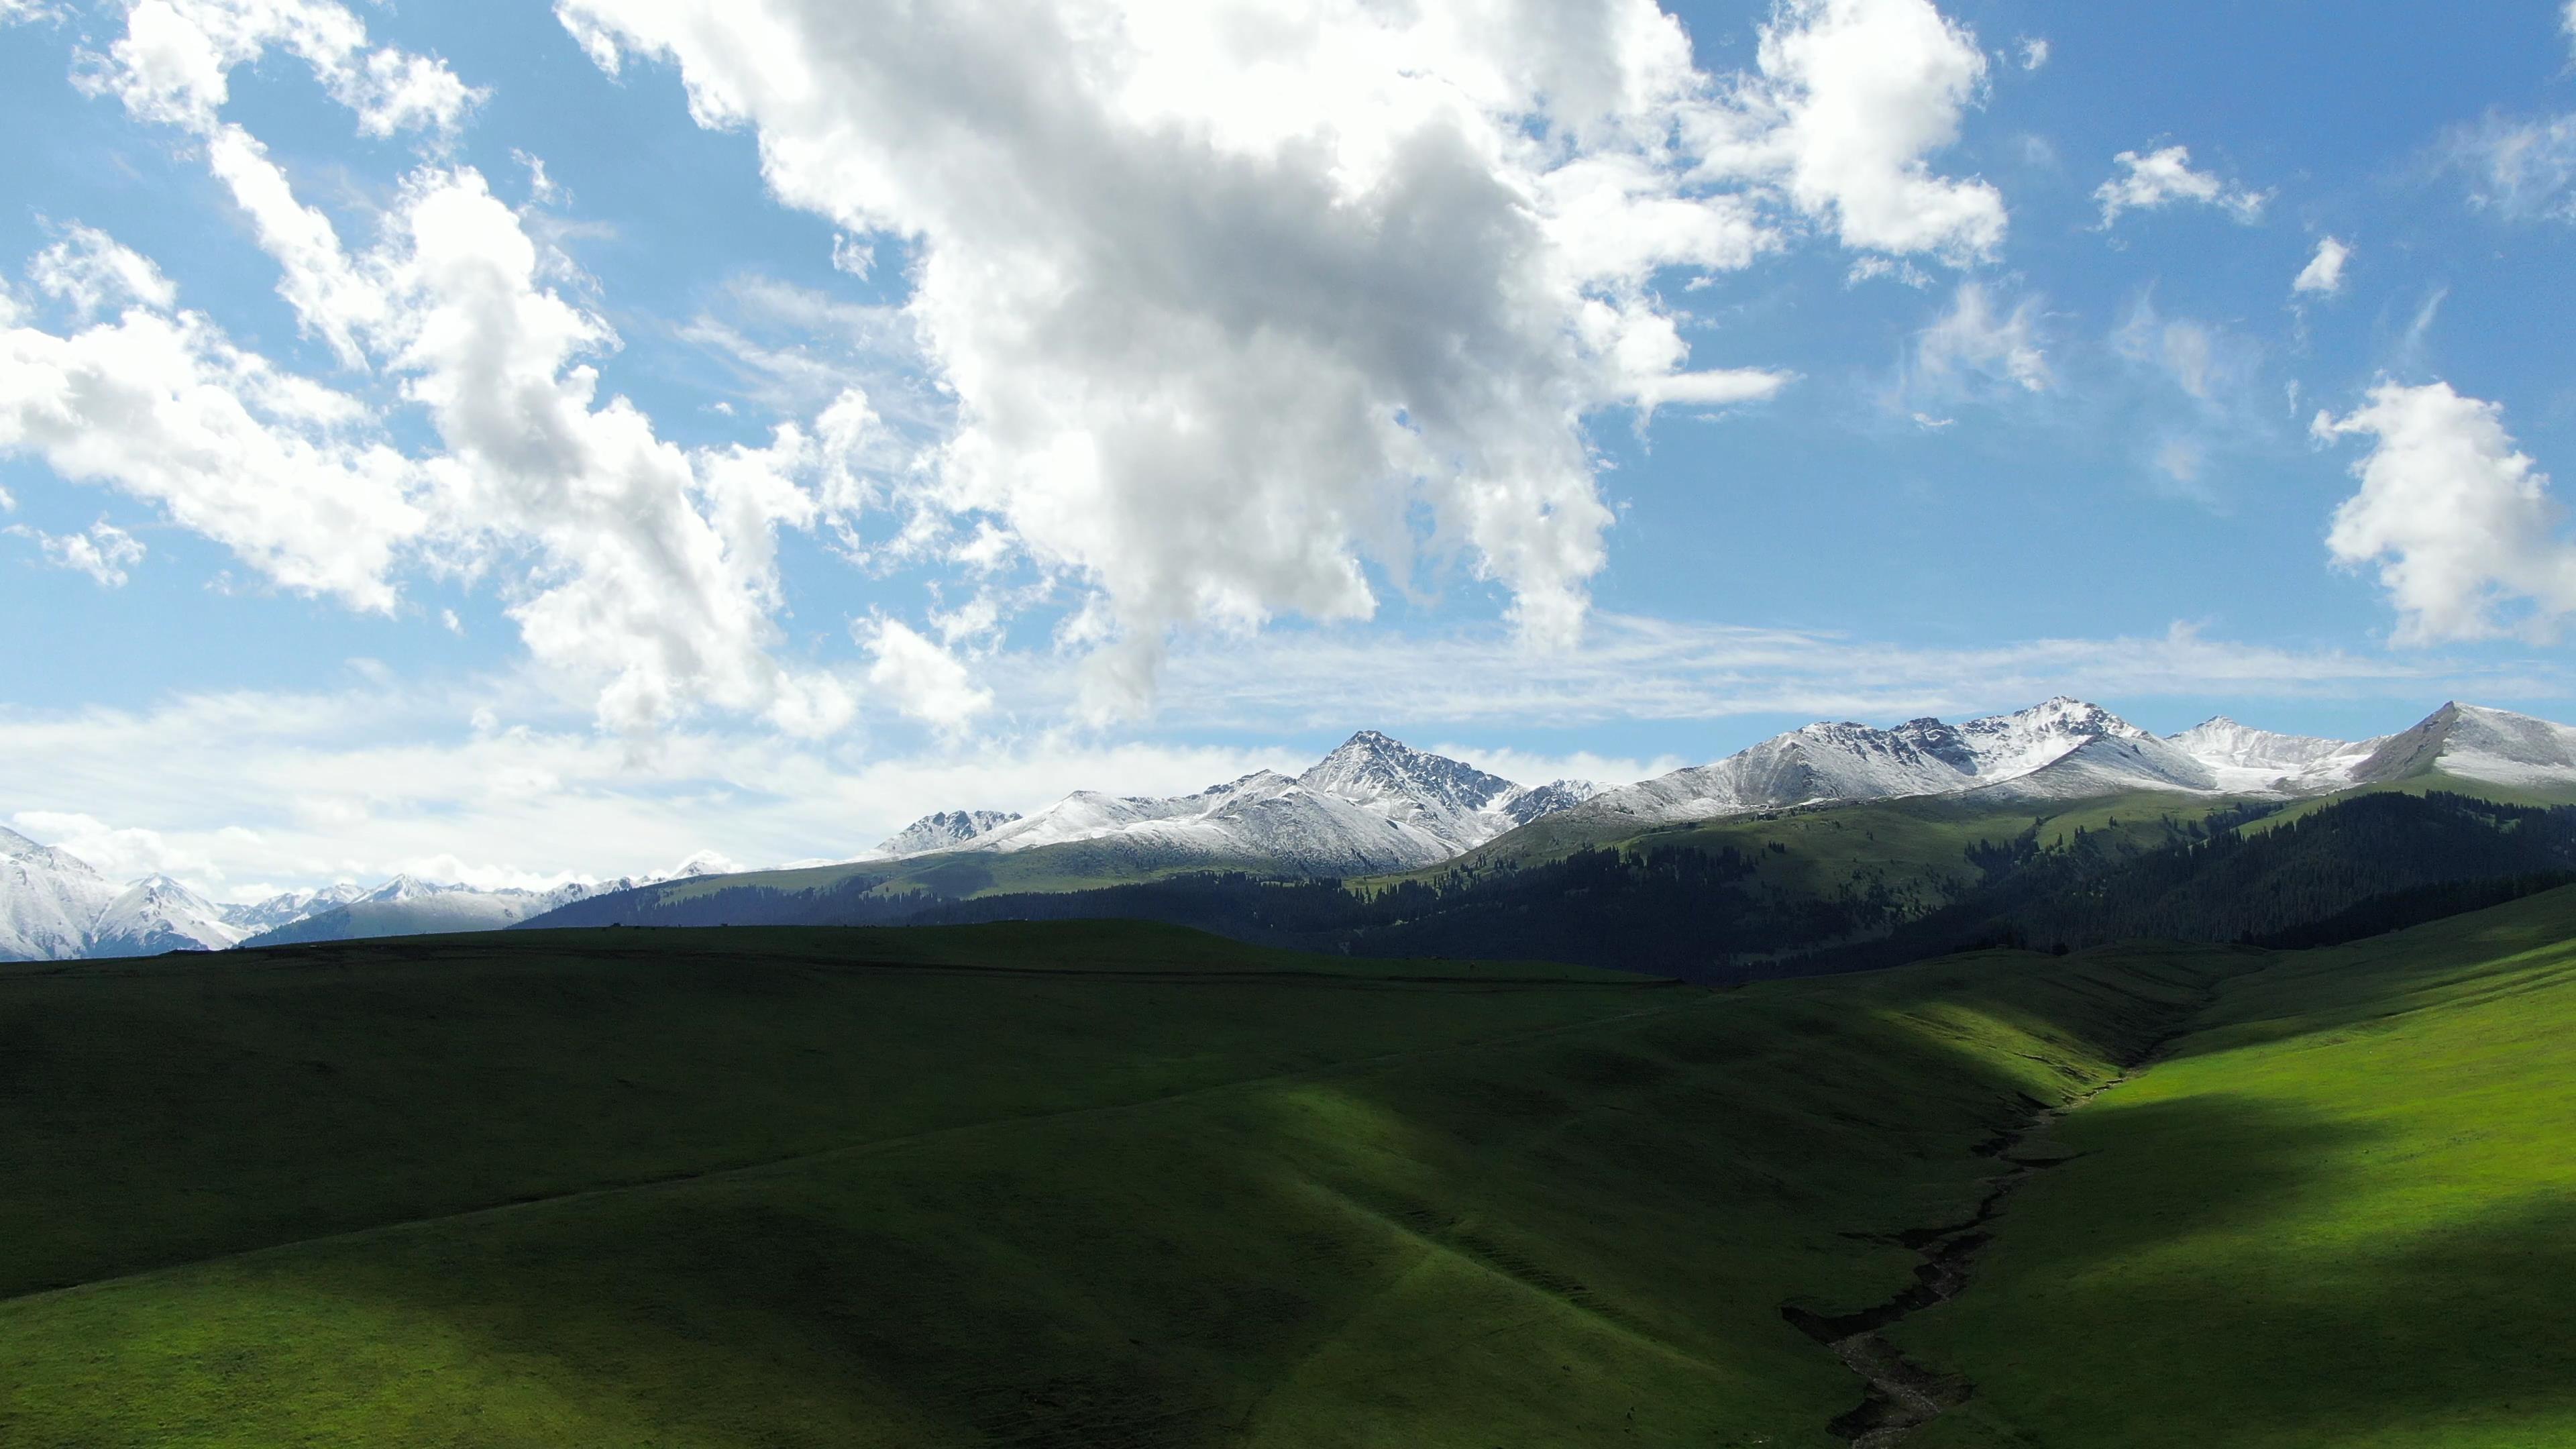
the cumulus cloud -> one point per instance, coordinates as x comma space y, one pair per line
1853, 97
2323, 275
164, 407
642, 569
2148, 180
1977, 341
119, 853
2034, 53
174, 64
89, 270
1230, 294
2459, 521
105, 552
920, 677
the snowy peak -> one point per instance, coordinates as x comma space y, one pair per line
2494, 746
2008, 745
1841, 761
158, 914
1371, 769
1547, 799
2109, 764
945, 830
2222, 741
49, 899
14, 846
286, 909
1374, 803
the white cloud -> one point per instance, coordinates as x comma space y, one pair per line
2034, 53
2207, 361
2520, 170
119, 854
2567, 22
1974, 341
1228, 293
2323, 275
165, 408
175, 60
89, 270
2146, 181
920, 677
643, 570
1853, 96
1870, 269
2459, 521
105, 552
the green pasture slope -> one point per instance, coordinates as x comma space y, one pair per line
2343, 1213
1087, 1184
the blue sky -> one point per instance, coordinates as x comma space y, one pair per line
1172, 390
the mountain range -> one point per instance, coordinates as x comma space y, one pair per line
55, 906
1374, 806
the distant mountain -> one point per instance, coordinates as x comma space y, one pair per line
158, 914
2466, 742
2066, 749
944, 831
406, 906
1845, 762
1371, 806
49, 899
286, 909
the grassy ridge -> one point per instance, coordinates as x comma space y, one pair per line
789, 1194
2343, 1214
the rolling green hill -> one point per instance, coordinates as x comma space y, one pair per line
2342, 1212
1073, 1185
1098, 1183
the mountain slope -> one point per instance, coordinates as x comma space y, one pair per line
945, 830
1842, 762
405, 906
290, 907
1374, 804
2468, 742
49, 899
158, 914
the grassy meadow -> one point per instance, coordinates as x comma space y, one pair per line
2341, 1213
1104, 1184
1085, 1184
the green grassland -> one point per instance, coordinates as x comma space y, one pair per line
1084, 1184
2341, 1213
1104, 1184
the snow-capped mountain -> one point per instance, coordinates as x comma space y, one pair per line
288, 908
946, 830
158, 914
2254, 761
1372, 805
49, 899
408, 906
1840, 762
2066, 749
2468, 742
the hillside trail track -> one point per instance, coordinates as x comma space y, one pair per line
1901, 1396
